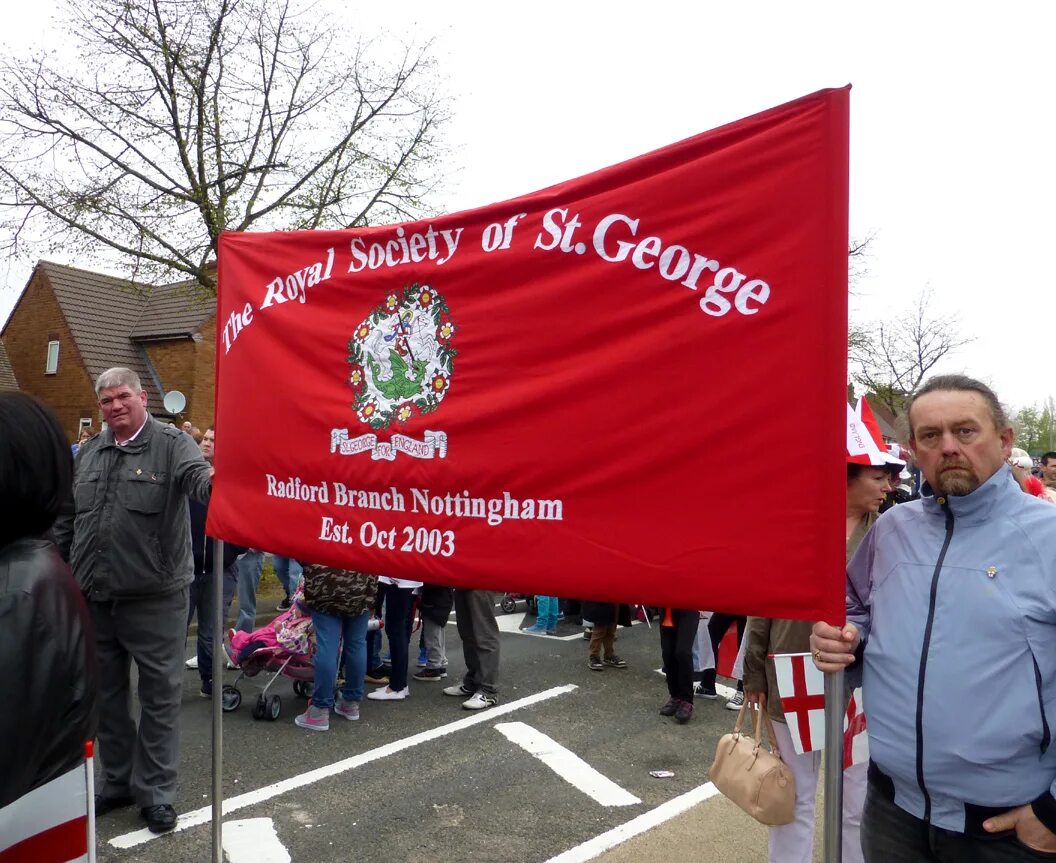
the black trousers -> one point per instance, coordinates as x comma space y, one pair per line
892, 835
676, 647
717, 627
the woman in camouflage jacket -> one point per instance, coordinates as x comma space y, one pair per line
339, 601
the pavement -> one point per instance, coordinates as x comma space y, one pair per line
424, 781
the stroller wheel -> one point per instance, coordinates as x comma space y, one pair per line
260, 709
230, 698
507, 604
302, 688
274, 708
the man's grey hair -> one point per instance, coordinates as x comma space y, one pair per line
117, 377
960, 383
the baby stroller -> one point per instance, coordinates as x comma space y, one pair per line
509, 602
283, 648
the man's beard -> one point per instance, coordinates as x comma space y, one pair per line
957, 483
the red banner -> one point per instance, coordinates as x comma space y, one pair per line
630, 386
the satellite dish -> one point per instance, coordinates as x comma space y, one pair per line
174, 401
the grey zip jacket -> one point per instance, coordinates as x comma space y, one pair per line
130, 535
956, 602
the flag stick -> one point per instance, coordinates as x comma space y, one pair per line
218, 697
833, 759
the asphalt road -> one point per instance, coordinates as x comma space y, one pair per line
419, 785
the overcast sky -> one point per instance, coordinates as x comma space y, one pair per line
952, 166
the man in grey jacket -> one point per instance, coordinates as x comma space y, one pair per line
129, 545
951, 606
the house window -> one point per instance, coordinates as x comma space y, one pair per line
53, 358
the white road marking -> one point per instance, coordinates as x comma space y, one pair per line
646, 821
253, 840
232, 804
566, 764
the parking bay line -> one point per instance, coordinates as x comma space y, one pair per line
232, 804
566, 764
628, 830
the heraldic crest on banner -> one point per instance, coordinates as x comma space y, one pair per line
401, 362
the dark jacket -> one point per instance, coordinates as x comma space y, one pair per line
606, 613
130, 535
338, 591
436, 603
47, 654
202, 545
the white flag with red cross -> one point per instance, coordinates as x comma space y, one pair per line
801, 687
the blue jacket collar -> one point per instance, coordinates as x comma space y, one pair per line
977, 506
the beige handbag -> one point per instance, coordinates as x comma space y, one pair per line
754, 778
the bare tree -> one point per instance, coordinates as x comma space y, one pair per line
890, 358
181, 119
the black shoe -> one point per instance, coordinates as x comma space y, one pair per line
684, 712
595, 664
670, 706
207, 689
284, 605
379, 674
109, 804
702, 690
430, 674
160, 818
614, 661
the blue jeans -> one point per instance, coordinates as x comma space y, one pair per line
397, 611
547, 611
288, 572
250, 566
330, 631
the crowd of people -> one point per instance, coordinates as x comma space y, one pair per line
951, 625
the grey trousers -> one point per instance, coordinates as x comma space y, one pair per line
435, 638
475, 618
142, 762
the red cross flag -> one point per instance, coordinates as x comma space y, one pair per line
802, 691
578, 392
52, 823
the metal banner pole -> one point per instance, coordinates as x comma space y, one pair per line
218, 697
833, 760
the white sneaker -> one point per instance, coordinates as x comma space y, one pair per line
736, 700
479, 701
458, 690
387, 694
192, 662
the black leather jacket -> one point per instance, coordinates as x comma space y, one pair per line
47, 653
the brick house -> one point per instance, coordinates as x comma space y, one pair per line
69, 325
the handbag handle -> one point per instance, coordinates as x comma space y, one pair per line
761, 716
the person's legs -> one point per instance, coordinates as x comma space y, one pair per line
597, 639
205, 630
794, 843
230, 587
354, 630
854, 785
435, 643
667, 651
892, 835
685, 632
397, 607
480, 605
327, 641
281, 565
152, 630
464, 625
250, 566
608, 639
117, 729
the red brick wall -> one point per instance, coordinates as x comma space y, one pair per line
36, 321
187, 365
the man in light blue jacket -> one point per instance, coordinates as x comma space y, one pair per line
951, 607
